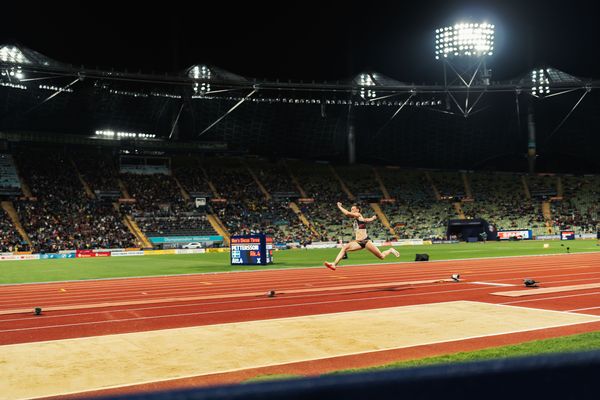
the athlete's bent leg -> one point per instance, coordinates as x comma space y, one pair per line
381, 254
352, 246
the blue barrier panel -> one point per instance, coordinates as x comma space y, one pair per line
56, 255
184, 239
564, 376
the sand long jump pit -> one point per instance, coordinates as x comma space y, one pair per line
42, 369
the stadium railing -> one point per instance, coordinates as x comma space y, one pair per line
562, 376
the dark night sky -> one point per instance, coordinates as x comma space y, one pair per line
310, 40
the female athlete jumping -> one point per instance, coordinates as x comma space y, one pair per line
362, 239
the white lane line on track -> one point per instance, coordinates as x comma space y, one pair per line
150, 300
90, 286
550, 298
584, 309
292, 296
138, 282
174, 288
272, 270
537, 309
491, 283
213, 303
294, 305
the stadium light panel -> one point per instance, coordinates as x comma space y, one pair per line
55, 88
110, 134
167, 95
200, 72
465, 39
13, 55
13, 85
540, 84
366, 80
201, 88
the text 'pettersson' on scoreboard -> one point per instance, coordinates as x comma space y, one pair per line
251, 249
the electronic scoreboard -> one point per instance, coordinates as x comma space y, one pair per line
251, 250
567, 235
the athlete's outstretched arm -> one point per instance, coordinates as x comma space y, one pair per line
370, 219
346, 212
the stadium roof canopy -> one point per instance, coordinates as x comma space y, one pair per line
554, 77
376, 79
19, 55
47, 99
32, 62
212, 73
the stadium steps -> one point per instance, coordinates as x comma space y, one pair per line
342, 184
136, 231
547, 212
559, 187
218, 226
459, 210
258, 182
123, 188
435, 189
88, 190
383, 218
384, 190
295, 180
467, 184
184, 193
303, 218
526, 187
24, 186
210, 184
12, 213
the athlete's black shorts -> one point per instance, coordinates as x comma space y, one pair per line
363, 243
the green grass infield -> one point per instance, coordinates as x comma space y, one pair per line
115, 267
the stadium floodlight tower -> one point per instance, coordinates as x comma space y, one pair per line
463, 49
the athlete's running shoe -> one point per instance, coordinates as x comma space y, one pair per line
395, 252
330, 265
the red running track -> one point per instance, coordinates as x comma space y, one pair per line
102, 307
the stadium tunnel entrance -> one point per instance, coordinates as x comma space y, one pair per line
471, 230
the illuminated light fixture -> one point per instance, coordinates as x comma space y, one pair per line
465, 40
11, 54
365, 81
200, 72
109, 134
167, 95
126, 93
16, 73
201, 88
13, 85
55, 88
540, 84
